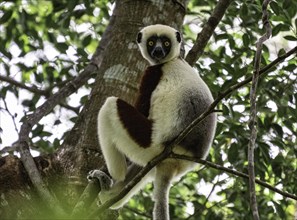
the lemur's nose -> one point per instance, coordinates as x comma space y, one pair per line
158, 52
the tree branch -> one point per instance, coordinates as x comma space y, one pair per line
33, 119
204, 206
86, 199
253, 112
233, 172
46, 93
23, 86
207, 31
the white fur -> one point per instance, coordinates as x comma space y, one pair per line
164, 98
116, 162
117, 187
115, 142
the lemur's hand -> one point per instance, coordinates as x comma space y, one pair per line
104, 180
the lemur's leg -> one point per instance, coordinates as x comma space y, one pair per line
109, 191
115, 160
124, 131
162, 185
119, 185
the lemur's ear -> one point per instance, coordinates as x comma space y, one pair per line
178, 37
139, 37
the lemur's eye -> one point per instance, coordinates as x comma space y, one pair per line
166, 43
151, 43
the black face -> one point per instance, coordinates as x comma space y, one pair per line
158, 47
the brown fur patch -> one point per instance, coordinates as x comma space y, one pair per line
149, 82
137, 125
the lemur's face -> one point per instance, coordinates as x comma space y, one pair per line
159, 43
158, 47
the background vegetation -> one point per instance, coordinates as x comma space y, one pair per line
46, 44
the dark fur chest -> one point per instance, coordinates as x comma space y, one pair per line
149, 82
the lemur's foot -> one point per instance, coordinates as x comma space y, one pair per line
104, 180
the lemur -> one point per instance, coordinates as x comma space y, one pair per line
171, 96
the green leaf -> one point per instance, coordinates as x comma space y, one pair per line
7, 15
4, 51
27, 103
221, 37
290, 67
275, 7
233, 154
278, 129
276, 29
62, 47
38, 130
281, 52
246, 40
82, 53
287, 4
84, 99
244, 9
86, 41
45, 134
290, 38
71, 5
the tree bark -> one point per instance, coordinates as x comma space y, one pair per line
120, 66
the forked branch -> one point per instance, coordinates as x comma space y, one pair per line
253, 111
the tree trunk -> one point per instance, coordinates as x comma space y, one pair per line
120, 66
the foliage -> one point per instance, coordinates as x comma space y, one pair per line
229, 59
46, 43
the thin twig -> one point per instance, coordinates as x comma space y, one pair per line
139, 213
10, 114
253, 112
233, 172
207, 31
46, 93
32, 89
204, 207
